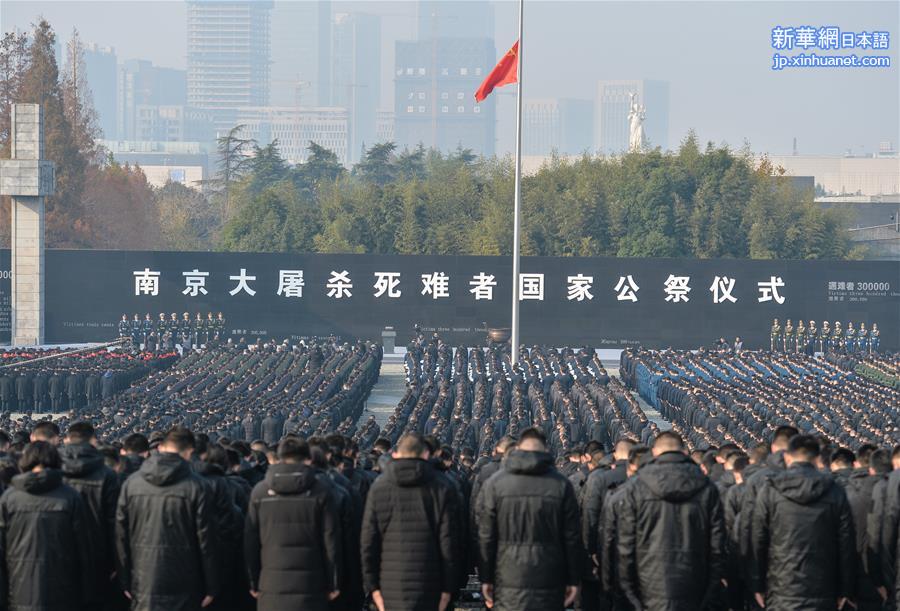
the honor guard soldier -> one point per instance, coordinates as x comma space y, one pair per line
775, 334
801, 336
813, 338
210, 328
147, 331
198, 330
136, 332
185, 330
874, 338
825, 338
788, 335
152, 335
174, 330
837, 337
219, 328
850, 338
862, 338
124, 327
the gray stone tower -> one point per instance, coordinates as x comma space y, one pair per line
28, 178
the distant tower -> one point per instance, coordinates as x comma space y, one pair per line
28, 178
227, 55
795, 146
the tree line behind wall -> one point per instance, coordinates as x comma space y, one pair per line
694, 202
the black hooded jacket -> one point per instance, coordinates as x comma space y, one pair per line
671, 539
85, 471
407, 543
46, 553
165, 537
529, 535
292, 540
803, 541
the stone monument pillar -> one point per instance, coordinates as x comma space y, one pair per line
27, 177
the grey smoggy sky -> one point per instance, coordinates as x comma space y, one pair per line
716, 56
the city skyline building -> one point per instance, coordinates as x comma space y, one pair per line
356, 78
301, 53
228, 55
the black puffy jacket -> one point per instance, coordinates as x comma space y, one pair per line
292, 540
409, 525
46, 553
671, 538
529, 534
803, 542
599, 482
85, 471
165, 537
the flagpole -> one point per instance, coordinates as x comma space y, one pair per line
517, 207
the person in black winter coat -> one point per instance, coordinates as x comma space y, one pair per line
292, 537
46, 553
600, 483
165, 535
409, 558
229, 528
802, 537
529, 540
85, 471
671, 538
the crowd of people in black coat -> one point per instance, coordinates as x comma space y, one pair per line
44, 381
713, 399
545, 479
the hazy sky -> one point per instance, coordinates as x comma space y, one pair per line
716, 56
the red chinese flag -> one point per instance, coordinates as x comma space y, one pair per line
505, 72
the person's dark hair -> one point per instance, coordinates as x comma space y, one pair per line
804, 447
880, 462
40, 453
136, 444
843, 458
432, 443
45, 430
412, 443
180, 438
110, 455
216, 455
726, 449
293, 450
784, 434
80, 432
638, 456
532, 432
505, 443
672, 442
740, 463
759, 453
5, 439
864, 453
381, 445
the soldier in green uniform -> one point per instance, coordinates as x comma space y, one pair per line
825, 338
185, 333
875, 338
813, 335
210, 328
219, 328
198, 330
124, 327
801, 337
862, 338
837, 337
775, 335
788, 336
850, 335
147, 332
